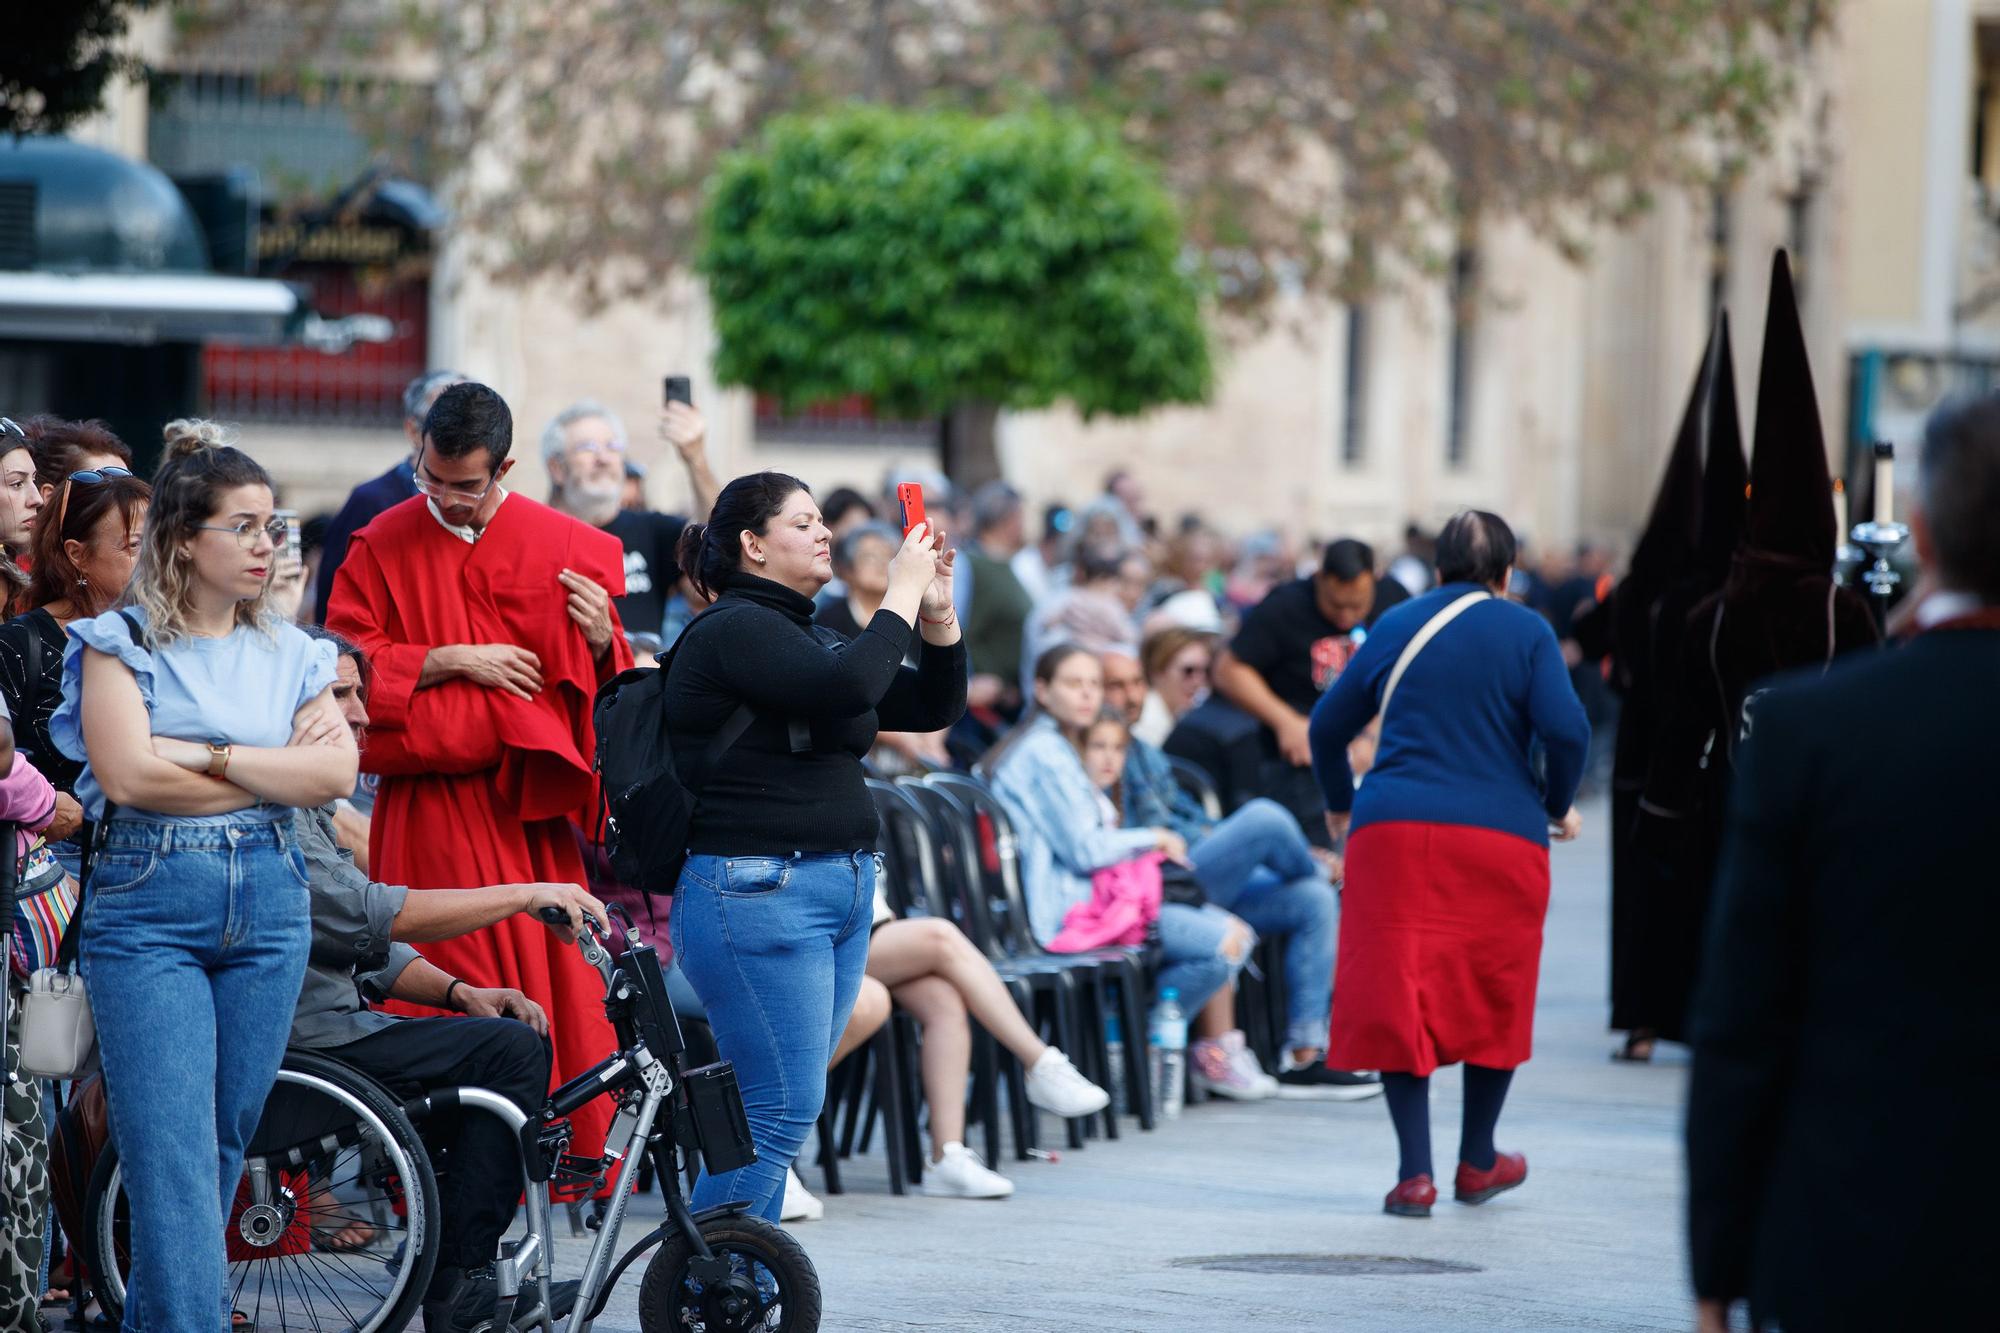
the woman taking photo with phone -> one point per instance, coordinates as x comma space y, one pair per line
201, 722
771, 915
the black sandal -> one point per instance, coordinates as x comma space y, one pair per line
1630, 1053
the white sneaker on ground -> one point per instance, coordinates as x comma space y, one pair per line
1055, 1086
1212, 1069
961, 1175
800, 1205
1244, 1059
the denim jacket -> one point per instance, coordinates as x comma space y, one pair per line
1154, 797
1063, 837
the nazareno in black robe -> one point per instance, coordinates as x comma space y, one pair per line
1778, 610
1642, 646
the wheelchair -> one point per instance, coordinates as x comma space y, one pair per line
335, 1153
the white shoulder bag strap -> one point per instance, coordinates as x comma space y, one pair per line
1420, 638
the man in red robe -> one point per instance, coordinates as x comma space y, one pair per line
489, 621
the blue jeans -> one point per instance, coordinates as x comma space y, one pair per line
775, 948
194, 946
1258, 865
1192, 962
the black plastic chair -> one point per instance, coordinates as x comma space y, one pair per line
879, 1067
992, 1063
1195, 780
998, 898
915, 890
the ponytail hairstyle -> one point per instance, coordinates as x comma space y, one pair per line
710, 553
200, 464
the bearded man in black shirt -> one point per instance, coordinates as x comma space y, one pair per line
1289, 650
585, 450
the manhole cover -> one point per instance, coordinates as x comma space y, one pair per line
1326, 1265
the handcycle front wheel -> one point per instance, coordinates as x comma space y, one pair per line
772, 1286
335, 1224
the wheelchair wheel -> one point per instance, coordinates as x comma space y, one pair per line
335, 1222
772, 1287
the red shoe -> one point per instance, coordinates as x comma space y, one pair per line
1475, 1186
1412, 1198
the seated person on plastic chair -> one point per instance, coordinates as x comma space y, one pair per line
361, 951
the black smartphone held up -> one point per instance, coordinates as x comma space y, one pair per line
680, 390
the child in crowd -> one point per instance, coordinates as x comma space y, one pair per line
1068, 830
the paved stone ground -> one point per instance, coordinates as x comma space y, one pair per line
1102, 1239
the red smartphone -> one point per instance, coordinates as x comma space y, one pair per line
911, 497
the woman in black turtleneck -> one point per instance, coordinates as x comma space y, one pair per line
770, 919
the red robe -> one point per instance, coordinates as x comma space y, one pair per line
479, 786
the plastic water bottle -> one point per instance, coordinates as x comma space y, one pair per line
1114, 1048
1167, 1053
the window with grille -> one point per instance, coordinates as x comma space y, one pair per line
849, 420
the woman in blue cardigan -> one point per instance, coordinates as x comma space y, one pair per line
1448, 848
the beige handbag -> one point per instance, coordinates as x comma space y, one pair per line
58, 1038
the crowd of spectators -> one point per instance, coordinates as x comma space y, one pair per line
1135, 686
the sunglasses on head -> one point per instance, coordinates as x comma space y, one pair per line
89, 476
11, 430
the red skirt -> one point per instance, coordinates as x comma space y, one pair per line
1440, 948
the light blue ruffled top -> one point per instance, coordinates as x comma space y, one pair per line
238, 690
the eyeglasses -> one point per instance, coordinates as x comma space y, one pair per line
598, 447
451, 494
90, 476
246, 531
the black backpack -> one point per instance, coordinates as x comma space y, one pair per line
644, 804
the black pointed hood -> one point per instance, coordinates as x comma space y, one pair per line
1666, 546
1791, 491
1725, 474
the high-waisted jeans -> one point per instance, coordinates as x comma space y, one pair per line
775, 948
194, 946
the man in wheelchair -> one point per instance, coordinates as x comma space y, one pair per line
361, 952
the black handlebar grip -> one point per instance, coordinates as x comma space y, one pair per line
555, 916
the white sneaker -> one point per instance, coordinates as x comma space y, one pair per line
1241, 1056
800, 1205
1213, 1070
1055, 1086
961, 1175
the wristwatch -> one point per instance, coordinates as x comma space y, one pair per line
218, 760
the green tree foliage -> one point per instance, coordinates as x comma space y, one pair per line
58, 59
932, 260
